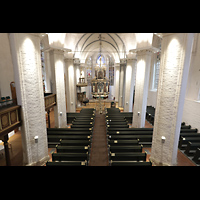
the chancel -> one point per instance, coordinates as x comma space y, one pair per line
99, 99
100, 83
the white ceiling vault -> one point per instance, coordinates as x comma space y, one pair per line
86, 45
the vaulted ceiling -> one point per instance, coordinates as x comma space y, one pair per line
86, 45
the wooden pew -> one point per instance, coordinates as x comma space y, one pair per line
80, 115
117, 126
82, 126
126, 148
84, 120
189, 130
142, 138
129, 132
122, 142
112, 110
184, 140
66, 163
56, 138
186, 127
191, 148
116, 120
130, 129
70, 157
72, 149
82, 123
130, 163
196, 156
89, 133
72, 116
189, 134
130, 156
75, 143
83, 110
117, 123
70, 129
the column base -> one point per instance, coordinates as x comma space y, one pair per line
156, 162
40, 162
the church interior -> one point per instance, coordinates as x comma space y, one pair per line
99, 99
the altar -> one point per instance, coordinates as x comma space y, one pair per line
100, 83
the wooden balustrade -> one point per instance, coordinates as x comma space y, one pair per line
50, 101
10, 119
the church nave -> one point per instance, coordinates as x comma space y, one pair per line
57, 89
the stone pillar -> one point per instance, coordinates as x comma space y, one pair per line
58, 86
121, 82
70, 85
141, 87
116, 81
174, 69
25, 50
129, 85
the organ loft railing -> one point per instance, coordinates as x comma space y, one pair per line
10, 116
50, 101
10, 119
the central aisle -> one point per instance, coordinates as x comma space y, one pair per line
99, 150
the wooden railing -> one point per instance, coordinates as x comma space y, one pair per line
50, 101
10, 119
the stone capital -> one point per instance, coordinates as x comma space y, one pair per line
117, 65
77, 61
131, 59
68, 59
56, 51
145, 50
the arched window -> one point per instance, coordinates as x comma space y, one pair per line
156, 72
43, 66
111, 72
102, 60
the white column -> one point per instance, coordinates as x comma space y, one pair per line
116, 81
121, 83
25, 50
129, 84
70, 81
58, 86
174, 68
141, 87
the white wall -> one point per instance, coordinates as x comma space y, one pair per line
6, 70
151, 99
191, 111
6, 66
191, 114
112, 92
